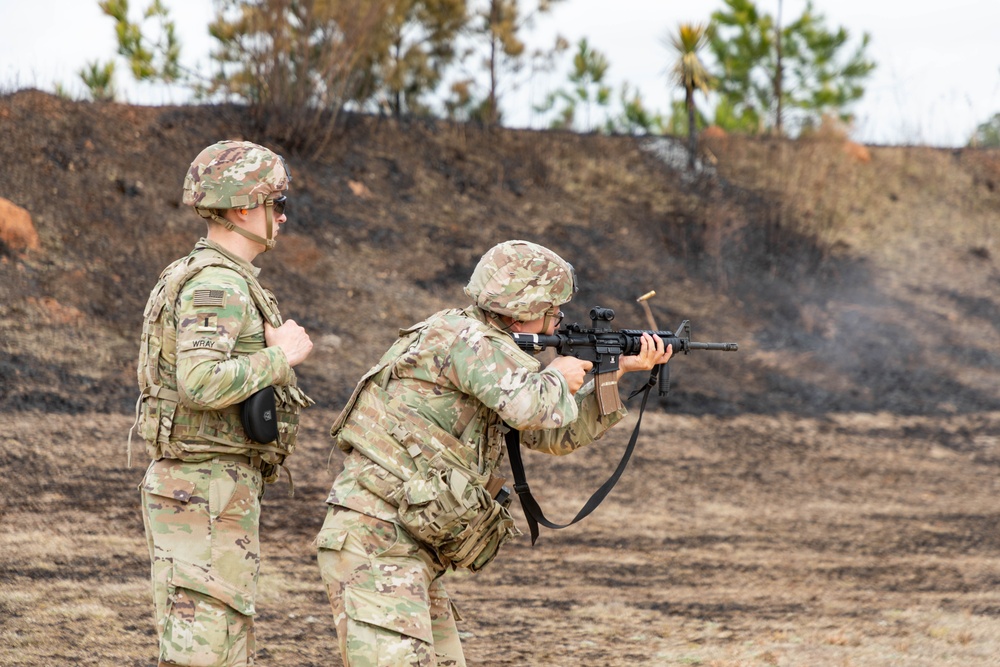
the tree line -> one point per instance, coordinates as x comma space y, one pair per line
297, 64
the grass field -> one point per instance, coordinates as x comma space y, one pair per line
851, 540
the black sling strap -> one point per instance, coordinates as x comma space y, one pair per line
532, 512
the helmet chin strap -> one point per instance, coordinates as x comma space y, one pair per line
268, 243
498, 320
269, 222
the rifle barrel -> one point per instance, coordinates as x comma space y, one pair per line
723, 347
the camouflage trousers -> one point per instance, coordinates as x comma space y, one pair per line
389, 604
202, 527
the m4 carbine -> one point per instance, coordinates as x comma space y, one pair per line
603, 346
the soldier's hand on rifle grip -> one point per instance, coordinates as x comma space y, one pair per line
651, 353
291, 338
573, 369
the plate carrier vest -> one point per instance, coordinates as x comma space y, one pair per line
172, 429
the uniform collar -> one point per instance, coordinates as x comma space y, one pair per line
477, 313
205, 243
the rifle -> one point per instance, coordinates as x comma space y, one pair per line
602, 346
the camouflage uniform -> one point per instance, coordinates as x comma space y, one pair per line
203, 353
464, 378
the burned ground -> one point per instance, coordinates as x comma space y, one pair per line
826, 496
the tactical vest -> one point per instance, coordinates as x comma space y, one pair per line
174, 430
355, 427
442, 496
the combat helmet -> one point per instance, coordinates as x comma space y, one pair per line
521, 280
236, 174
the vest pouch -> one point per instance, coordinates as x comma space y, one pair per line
149, 419
259, 416
156, 420
289, 400
455, 516
483, 539
288, 428
381, 482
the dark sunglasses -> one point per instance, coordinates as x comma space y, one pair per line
279, 204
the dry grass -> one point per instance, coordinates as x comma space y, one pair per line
844, 514
848, 540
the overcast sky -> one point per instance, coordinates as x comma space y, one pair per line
938, 74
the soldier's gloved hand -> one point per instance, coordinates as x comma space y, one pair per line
291, 338
573, 369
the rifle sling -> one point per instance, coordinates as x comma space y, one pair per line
532, 512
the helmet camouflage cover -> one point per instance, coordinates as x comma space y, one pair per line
234, 174
521, 280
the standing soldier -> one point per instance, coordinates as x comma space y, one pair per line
218, 409
423, 434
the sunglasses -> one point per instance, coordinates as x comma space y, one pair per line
555, 314
279, 204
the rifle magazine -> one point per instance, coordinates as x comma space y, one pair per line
606, 392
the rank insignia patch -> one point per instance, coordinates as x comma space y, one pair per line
207, 322
209, 297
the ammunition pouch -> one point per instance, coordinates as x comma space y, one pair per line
441, 499
156, 418
446, 510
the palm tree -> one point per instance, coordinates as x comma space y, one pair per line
691, 73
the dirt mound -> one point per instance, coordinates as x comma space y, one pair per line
849, 285
17, 233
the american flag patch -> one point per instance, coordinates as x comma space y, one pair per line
209, 297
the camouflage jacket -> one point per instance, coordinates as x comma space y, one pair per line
468, 378
203, 353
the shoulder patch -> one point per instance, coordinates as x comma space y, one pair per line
209, 297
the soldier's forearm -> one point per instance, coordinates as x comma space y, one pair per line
211, 383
